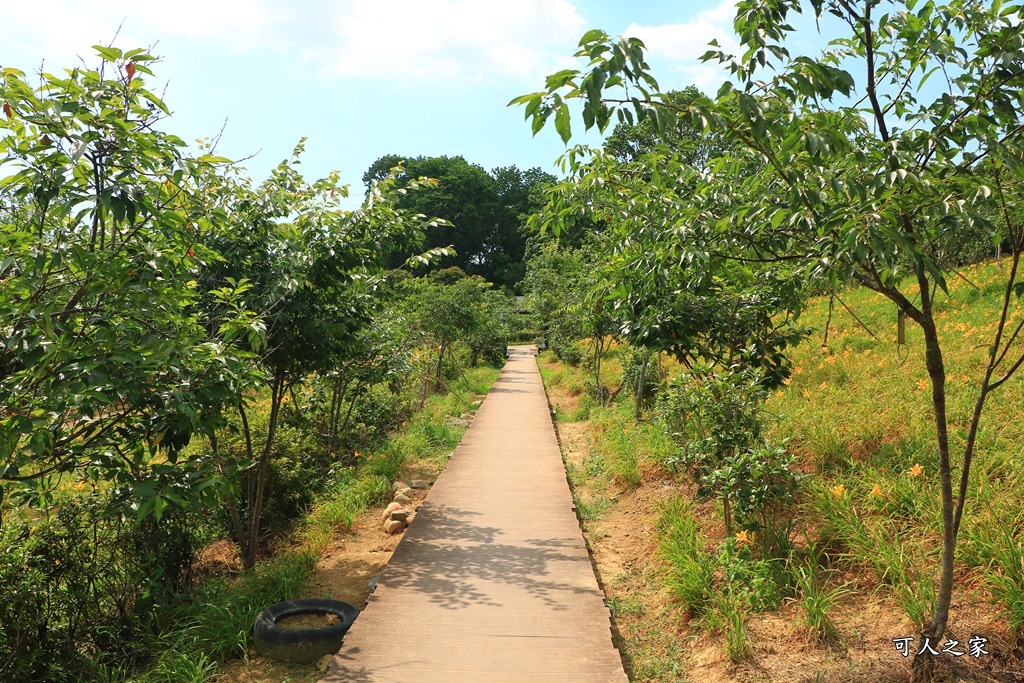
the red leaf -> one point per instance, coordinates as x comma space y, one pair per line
131, 71
191, 253
7, 110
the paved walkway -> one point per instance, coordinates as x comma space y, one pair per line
492, 582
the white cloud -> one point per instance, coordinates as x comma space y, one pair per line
414, 39
680, 46
428, 39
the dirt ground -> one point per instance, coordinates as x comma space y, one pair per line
344, 573
658, 642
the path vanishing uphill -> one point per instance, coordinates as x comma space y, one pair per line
492, 581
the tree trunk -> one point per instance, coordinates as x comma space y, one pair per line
236, 520
277, 392
727, 515
828, 323
351, 405
337, 401
440, 366
248, 481
924, 664
640, 385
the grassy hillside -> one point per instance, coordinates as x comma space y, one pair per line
865, 524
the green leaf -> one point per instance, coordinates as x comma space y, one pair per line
111, 54
562, 124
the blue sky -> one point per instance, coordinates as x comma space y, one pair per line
361, 78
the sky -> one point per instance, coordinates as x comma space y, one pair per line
362, 78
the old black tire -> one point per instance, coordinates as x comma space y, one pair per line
302, 645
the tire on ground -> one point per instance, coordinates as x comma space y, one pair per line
302, 645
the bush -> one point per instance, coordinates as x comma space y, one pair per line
83, 584
715, 418
566, 350
631, 376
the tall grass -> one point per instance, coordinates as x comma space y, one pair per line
1007, 579
729, 617
690, 567
816, 599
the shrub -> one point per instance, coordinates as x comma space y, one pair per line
84, 583
631, 377
714, 416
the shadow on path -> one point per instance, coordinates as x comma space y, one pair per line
451, 555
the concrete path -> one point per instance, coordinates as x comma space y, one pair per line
492, 582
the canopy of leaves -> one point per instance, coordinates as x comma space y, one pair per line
485, 211
104, 355
630, 141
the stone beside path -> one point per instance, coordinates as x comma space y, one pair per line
492, 581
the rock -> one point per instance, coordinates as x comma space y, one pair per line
400, 516
399, 485
389, 509
408, 520
477, 403
418, 484
324, 662
372, 583
402, 499
393, 526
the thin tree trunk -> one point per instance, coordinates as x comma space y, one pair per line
337, 401
640, 385
236, 520
727, 515
924, 664
440, 366
828, 323
351, 405
248, 479
277, 392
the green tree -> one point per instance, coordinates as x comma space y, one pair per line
312, 270
855, 190
630, 141
105, 362
485, 212
448, 309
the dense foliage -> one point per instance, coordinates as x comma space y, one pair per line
184, 355
486, 212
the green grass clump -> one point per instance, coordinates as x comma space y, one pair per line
729, 617
690, 567
1007, 581
816, 599
591, 510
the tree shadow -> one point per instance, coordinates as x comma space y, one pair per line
452, 559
